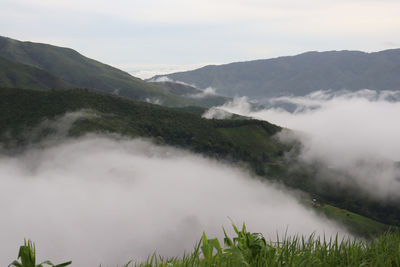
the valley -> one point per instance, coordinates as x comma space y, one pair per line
69, 120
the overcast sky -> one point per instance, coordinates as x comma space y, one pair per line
150, 36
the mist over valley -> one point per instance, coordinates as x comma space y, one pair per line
104, 199
285, 152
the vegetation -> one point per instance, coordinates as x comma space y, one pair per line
253, 249
321, 182
27, 255
22, 110
355, 223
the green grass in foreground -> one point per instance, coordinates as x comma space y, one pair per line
252, 249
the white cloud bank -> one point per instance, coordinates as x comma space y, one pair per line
239, 105
357, 132
101, 200
209, 91
163, 79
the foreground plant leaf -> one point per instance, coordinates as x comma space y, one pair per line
27, 255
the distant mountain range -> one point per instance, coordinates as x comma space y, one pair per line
299, 75
51, 67
42, 66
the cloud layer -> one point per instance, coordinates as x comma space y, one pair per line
356, 132
104, 200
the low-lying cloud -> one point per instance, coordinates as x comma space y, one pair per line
163, 79
217, 113
209, 91
203, 93
239, 105
357, 132
106, 200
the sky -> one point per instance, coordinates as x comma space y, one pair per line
158, 36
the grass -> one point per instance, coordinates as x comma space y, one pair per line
356, 223
253, 249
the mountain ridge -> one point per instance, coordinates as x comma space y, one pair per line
83, 72
300, 74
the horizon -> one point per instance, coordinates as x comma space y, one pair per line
151, 37
145, 74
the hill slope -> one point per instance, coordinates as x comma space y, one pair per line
193, 95
248, 142
13, 74
21, 111
81, 71
301, 74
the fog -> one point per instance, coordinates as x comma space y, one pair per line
209, 91
204, 93
357, 132
163, 79
106, 199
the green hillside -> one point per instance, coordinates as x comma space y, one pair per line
21, 110
244, 141
355, 223
84, 72
13, 74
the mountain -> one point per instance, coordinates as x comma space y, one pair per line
81, 71
13, 74
300, 75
